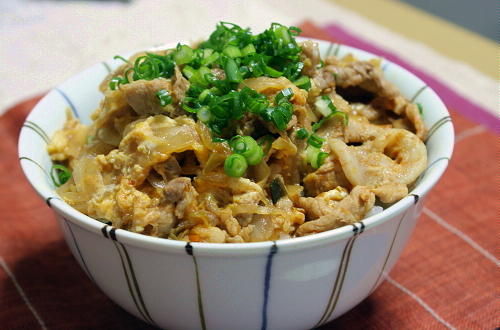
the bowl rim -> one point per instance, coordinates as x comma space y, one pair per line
63, 209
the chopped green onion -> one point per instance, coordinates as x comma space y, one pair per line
232, 72
284, 95
303, 82
272, 72
164, 97
232, 51
279, 118
302, 133
420, 109
321, 158
115, 82
203, 95
253, 101
188, 108
282, 33
146, 68
204, 114
315, 156
294, 31
188, 71
265, 143
118, 57
235, 165
315, 141
343, 115
325, 105
248, 148
184, 54
248, 49
216, 100
59, 174
210, 59
218, 139
207, 52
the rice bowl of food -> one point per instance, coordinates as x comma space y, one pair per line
250, 180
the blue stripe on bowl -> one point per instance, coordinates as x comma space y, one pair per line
106, 65
34, 162
436, 126
417, 93
68, 100
336, 52
339, 280
37, 129
389, 252
75, 243
190, 251
267, 283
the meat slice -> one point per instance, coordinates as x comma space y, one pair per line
396, 156
180, 86
368, 77
336, 214
361, 130
180, 191
169, 169
310, 57
323, 78
325, 178
390, 193
141, 95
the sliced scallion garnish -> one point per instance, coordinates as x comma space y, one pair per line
303, 82
59, 174
315, 141
164, 97
302, 133
235, 165
248, 148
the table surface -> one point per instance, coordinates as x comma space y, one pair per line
445, 277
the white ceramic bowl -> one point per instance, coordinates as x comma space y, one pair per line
296, 283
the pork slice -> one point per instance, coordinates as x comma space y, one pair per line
169, 169
141, 95
181, 192
180, 86
325, 178
310, 57
387, 97
333, 215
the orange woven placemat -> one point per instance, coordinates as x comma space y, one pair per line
446, 277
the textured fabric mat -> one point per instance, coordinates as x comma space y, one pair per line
446, 277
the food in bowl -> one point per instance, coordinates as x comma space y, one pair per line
240, 138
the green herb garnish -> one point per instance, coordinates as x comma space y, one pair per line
235, 165
315, 141
248, 148
315, 156
420, 109
214, 98
302, 133
164, 97
59, 174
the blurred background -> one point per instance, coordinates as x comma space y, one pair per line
44, 42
